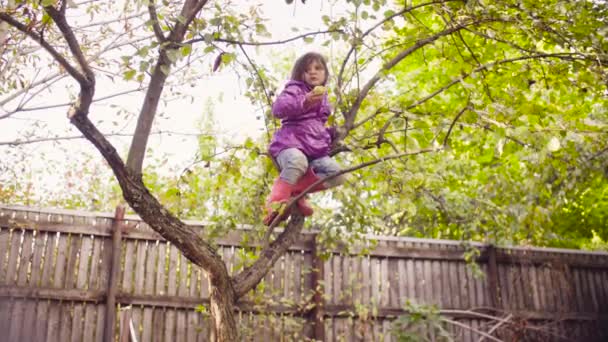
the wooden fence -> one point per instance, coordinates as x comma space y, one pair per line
74, 276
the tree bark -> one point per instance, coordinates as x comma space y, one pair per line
221, 308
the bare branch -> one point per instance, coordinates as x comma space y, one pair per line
31, 109
497, 325
477, 331
158, 32
110, 21
77, 137
276, 42
268, 99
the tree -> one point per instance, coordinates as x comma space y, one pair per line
456, 54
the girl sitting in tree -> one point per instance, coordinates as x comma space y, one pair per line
301, 146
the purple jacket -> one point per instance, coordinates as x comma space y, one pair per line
302, 129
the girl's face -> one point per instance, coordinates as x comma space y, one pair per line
314, 74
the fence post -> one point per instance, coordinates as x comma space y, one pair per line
318, 310
495, 298
110, 322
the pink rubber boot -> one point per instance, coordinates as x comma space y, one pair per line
280, 193
304, 182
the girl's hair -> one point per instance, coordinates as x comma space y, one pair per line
304, 61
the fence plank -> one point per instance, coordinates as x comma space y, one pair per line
161, 272
384, 283
128, 266
151, 268
336, 279
71, 268
5, 238
393, 283
59, 273
65, 322
100, 323
287, 277
25, 259
39, 325
183, 276
427, 284
169, 325
84, 263
16, 324
46, 279
54, 320
172, 277
13, 257
158, 325
136, 318
140, 267
37, 258
95, 263
90, 317
147, 326
375, 281
180, 326
77, 322
29, 320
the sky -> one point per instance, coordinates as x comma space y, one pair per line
234, 115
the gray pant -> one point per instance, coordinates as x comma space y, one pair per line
293, 164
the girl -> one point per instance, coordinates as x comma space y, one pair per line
301, 146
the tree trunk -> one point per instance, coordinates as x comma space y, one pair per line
221, 308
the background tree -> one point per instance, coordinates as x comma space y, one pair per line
459, 119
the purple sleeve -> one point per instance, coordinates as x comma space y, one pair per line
289, 103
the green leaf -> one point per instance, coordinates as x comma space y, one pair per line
186, 50
227, 58
143, 52
129, 74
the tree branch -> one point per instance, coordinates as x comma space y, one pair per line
257, 72
351, 115
482, 67
68, 34
368, 32
184, 237
157, 83
276, 42
76, 137
447, 136
59, 105
87, 83
249, 277
477, 331
158, 32
36, 37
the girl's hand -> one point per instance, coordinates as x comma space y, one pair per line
312, 99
